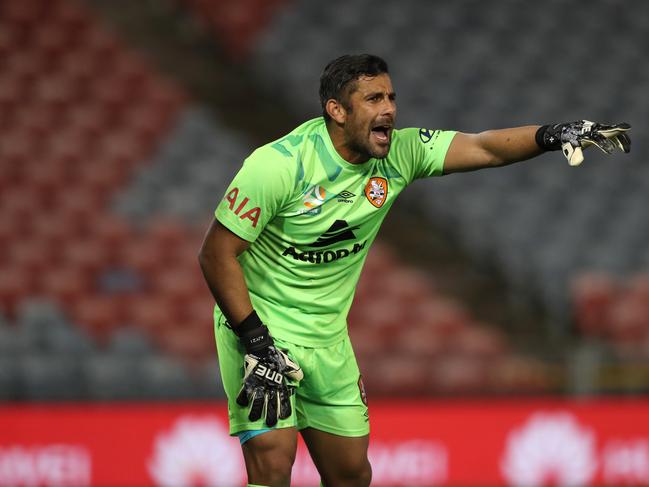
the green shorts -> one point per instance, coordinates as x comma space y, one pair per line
330, 398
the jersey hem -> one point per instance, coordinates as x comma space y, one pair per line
226, 222
308, 343
333, 430
447, 144
237, 428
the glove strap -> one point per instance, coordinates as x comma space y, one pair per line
254, 335
548, 139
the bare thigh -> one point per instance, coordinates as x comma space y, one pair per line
340, 460
269, 457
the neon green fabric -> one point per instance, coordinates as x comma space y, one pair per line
311, 217
330, 397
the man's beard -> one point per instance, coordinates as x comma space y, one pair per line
363, 147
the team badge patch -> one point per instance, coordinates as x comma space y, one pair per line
361, 388
376, 191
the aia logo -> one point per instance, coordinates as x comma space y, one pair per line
376, 191
237, 206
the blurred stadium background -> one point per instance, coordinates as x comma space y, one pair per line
122, 123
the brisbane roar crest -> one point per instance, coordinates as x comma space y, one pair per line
376, 191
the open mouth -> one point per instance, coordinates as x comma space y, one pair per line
382, 133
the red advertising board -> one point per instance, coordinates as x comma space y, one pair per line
434, 443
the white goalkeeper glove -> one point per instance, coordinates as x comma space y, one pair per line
270, 376
572, 137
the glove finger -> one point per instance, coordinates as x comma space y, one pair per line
574, 155
271, 407
284, 403
624, 142
617, 126
602, 143
257, 407
242, 397
614, 127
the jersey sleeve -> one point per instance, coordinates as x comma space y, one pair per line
258, 191
427, 149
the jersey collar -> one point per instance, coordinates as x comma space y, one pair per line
329, 145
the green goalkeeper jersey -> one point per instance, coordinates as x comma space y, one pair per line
311, 217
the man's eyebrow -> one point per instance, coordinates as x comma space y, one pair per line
372, 94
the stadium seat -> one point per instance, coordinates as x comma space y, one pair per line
33, 256
113, 232
628, 328
141, 254
97, 315
593, 296
367, 342
379, 315
50, 377
422, 342
166, 378
396, 375
44, 327
13, 342
88, 256
444, 315
71, 16
18, 148
22, 204
129, 341
479, 341
208, 379
192, 342
9, 382
235, 24
110, 376
151, 313
406, 287
15, 283
513, 373
459, 374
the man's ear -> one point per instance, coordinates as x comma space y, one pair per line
336, 110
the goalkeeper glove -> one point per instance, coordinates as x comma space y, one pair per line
270, 376
572, 137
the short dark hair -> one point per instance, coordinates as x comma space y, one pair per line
338, 78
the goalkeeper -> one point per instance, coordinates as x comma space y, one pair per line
286, 248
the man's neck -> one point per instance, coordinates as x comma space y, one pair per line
341, 145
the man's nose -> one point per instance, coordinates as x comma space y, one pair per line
389, 107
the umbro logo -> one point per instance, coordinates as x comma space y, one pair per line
345, 197
338, 232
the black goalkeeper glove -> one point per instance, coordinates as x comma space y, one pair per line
572, 137
270, 376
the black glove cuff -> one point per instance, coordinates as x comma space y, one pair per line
254, 335
548, 137
539, 137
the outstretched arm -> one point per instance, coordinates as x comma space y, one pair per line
494, 148
491, 148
